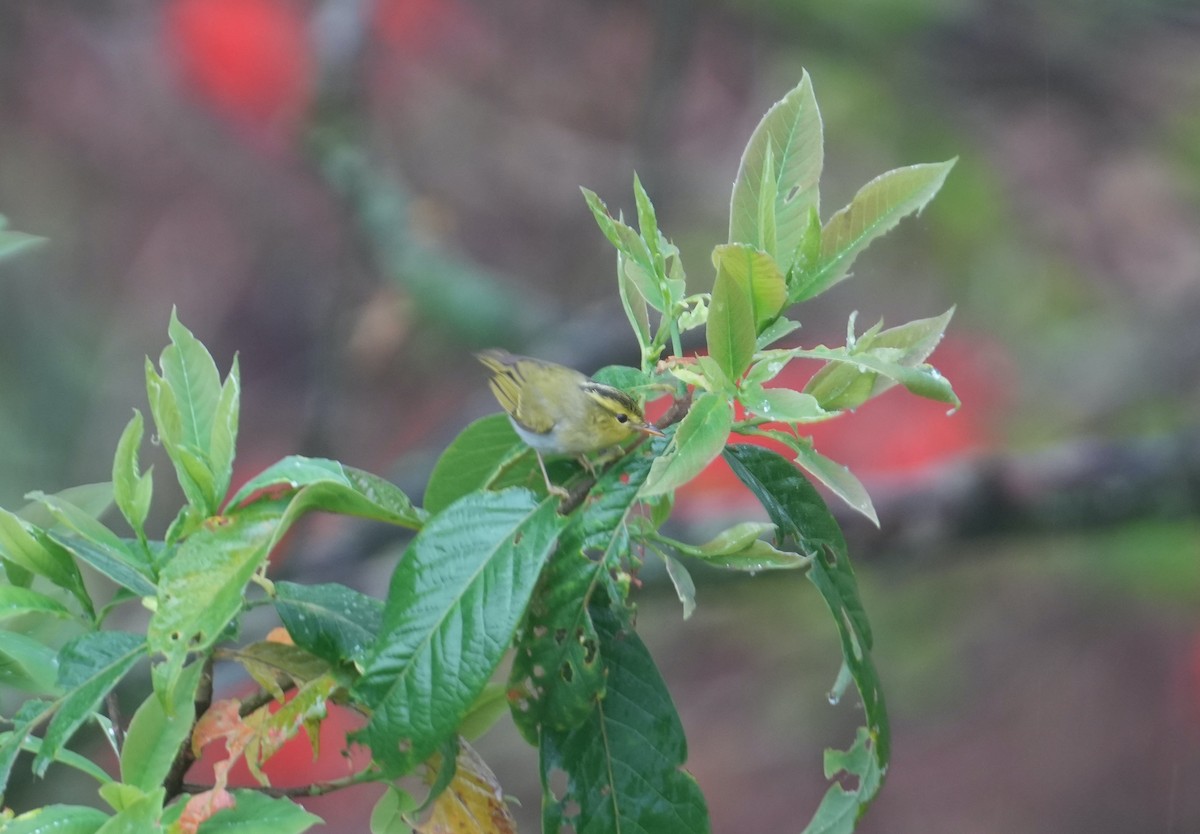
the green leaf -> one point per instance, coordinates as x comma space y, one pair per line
256, 813
15, 574
95, 544
731, 329
471, 461
640, 268
557, 672
201, 589
13, 242
132, 490
27, 664
842, 392
157, 731
698, 440
634, 304
628, 379
274, 665
30, 549
740, 548
190, 372
782, 404
685, 586
808, 252
94, 500
768, 235
138, 815
33, 744
15, 601
648, 227
454, 602
804, 524
31, 713
223, 442
486, 710
840, 809
777, 180
329, 486
388, 815
335, 623
126, 573
775, 331
623, 764
194, 478
759, 274
196, 416
88, 668
57, 819
843, 384
838, 477
876, 208
83, 523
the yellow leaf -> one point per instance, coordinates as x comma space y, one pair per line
472, 803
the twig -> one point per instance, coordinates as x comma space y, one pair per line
1083, 485
315, 789
185, 757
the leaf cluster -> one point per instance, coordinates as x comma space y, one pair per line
497, 567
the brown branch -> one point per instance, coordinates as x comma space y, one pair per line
315, 789
185, 757
1082, 485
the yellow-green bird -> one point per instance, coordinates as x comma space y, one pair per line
559, 411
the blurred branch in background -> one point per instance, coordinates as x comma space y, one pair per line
936, 516
1083, 485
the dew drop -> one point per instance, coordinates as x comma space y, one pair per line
833, 696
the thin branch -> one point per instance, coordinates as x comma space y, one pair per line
1083, 485
185, 757
315, 789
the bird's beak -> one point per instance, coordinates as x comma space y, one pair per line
650, 428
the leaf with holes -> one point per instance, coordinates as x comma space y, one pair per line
455, 599
201, 589
840, 808
804, 523
557, 673
623, 763
778, 178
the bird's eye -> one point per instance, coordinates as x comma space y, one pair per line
622, 418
